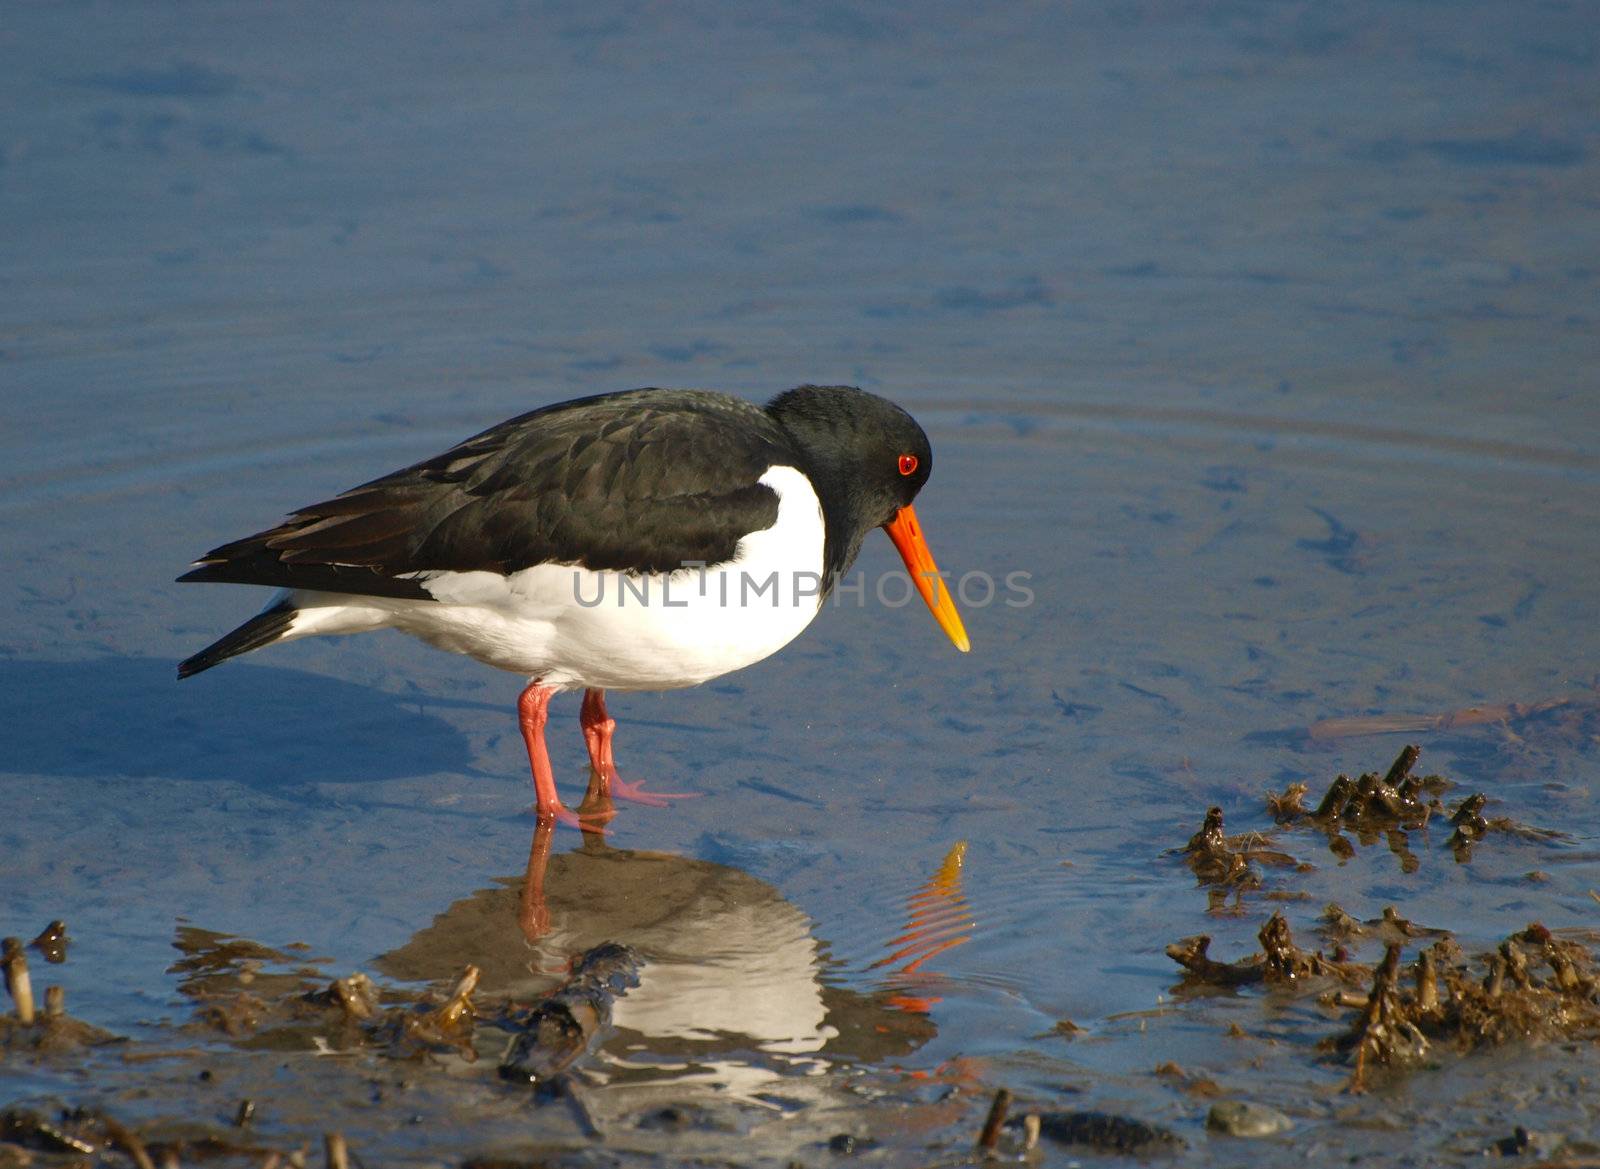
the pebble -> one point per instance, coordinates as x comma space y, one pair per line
1241, 1118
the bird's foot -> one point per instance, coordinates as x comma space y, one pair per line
589, 816
621, 789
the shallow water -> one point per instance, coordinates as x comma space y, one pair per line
1261, 336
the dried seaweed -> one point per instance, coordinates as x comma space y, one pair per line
1533, 987
1228, 865
1279, 963
1389, 807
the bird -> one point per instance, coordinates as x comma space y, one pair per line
645, 539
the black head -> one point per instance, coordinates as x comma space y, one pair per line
867, 457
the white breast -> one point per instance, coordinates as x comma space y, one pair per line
572, 627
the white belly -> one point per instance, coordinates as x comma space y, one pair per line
568, 626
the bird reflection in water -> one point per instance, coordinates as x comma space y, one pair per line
938, 919
732, 989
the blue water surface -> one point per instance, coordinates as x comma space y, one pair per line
1262, 337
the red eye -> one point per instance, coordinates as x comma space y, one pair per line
908, 464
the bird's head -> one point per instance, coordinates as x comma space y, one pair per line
868, 459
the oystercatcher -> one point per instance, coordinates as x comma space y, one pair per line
642, 540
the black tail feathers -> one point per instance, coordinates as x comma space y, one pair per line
262, 629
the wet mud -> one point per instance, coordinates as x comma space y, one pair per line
685, 1033
639, 1004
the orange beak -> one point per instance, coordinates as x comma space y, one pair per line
907, 536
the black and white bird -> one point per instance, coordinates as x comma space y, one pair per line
643, 540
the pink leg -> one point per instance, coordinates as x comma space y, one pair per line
533, 712
597, 807
598, 727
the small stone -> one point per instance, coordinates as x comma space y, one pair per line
1525, 1140
1241, 1118
671, 1118
683, 1118
1107, 1133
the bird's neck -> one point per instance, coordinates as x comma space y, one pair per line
843, 513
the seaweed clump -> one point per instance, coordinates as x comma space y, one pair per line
30, 1029
1388, 807
241, 990
1370, 808
1280, 962
1533, 987
1226, 865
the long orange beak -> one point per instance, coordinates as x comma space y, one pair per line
907, 536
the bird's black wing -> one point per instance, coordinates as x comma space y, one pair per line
643, 480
